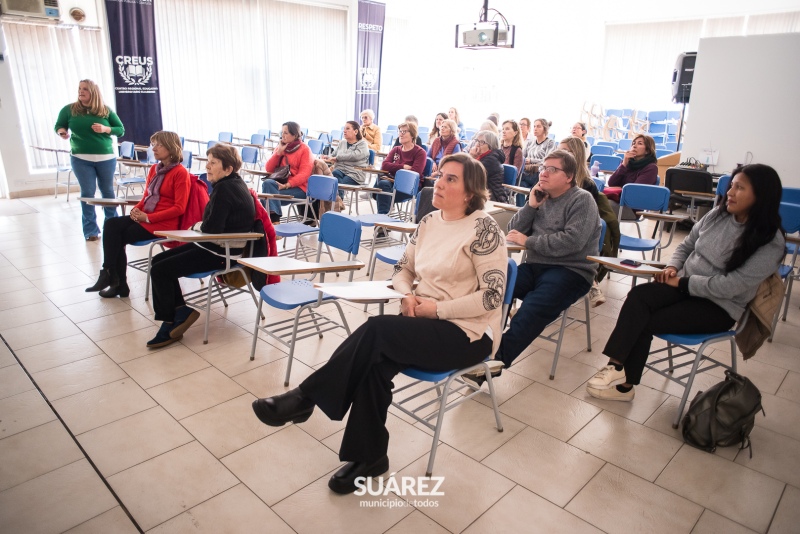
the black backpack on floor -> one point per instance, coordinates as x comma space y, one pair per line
723, 415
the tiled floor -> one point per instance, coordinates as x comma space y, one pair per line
113, 437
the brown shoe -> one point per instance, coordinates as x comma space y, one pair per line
93, 238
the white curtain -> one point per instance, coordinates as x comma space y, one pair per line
245, 65
639, 59
774, 23
724, 27
47, 63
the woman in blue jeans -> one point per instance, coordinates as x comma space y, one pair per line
89, 124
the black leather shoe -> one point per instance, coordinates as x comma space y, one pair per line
278, 410
344, 480
103, 281
119, 290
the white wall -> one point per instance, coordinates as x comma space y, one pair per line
745, 99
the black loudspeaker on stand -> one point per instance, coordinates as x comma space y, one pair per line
682, 77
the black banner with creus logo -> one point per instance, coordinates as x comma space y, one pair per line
132, 31
371, 17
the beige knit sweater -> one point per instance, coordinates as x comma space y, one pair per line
462, 265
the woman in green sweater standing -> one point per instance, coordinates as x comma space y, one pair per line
93, 160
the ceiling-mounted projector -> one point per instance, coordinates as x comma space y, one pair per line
485, 34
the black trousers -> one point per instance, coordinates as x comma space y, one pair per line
117, 233
656, 308
168, 267
359, 375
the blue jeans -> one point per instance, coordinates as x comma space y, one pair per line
271, 186
343, 179
91, 175
526, 180
545, 291
383, 201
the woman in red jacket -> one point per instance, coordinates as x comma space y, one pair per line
292, 152
163, 203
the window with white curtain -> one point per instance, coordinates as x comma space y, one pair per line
47, 63
241, 66
639, 58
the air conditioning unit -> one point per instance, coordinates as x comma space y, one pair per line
40, 9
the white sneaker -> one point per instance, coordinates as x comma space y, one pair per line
478, 376
607, 377
596, 297
611, 394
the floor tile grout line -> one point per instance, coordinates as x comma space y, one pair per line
75, 439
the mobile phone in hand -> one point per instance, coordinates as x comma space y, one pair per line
631, 263
539, 194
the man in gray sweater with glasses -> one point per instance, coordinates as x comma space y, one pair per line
559, 226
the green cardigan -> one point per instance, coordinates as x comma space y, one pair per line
84, 140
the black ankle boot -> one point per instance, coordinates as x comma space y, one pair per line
116, 287
103, 281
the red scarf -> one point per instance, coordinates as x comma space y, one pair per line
481, 156
292, 147
448, 147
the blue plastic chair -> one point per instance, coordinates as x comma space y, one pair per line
600, 183
371, 160
657, 129
602, 150
607, 163
450, 382
469, 133
320, 188
509, 174
423, 132
392, 128
557, 336
791, 195
613, 144
337, 135
661, 152
316, 146
657, 116
143, 264
684, 341
325, 138
225, 137
790, 220
338, 231
426, 173
187, 159
126, 150
625, 144
672, 146
644, 197
387, 139
249, 155
406, 182
258, 139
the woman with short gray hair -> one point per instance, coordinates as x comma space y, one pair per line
486, 149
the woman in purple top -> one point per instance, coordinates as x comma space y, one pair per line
407, 156
638, 164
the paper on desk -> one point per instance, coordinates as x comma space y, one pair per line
373, 290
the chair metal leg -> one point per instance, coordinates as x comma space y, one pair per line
292, 345
256, 328
439, 421
588, 324
558, 343
208, 310
787, 298
698, 358
669, 355
488, 376
733, 355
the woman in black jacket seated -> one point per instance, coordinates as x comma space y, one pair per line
230, 209
486, 149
